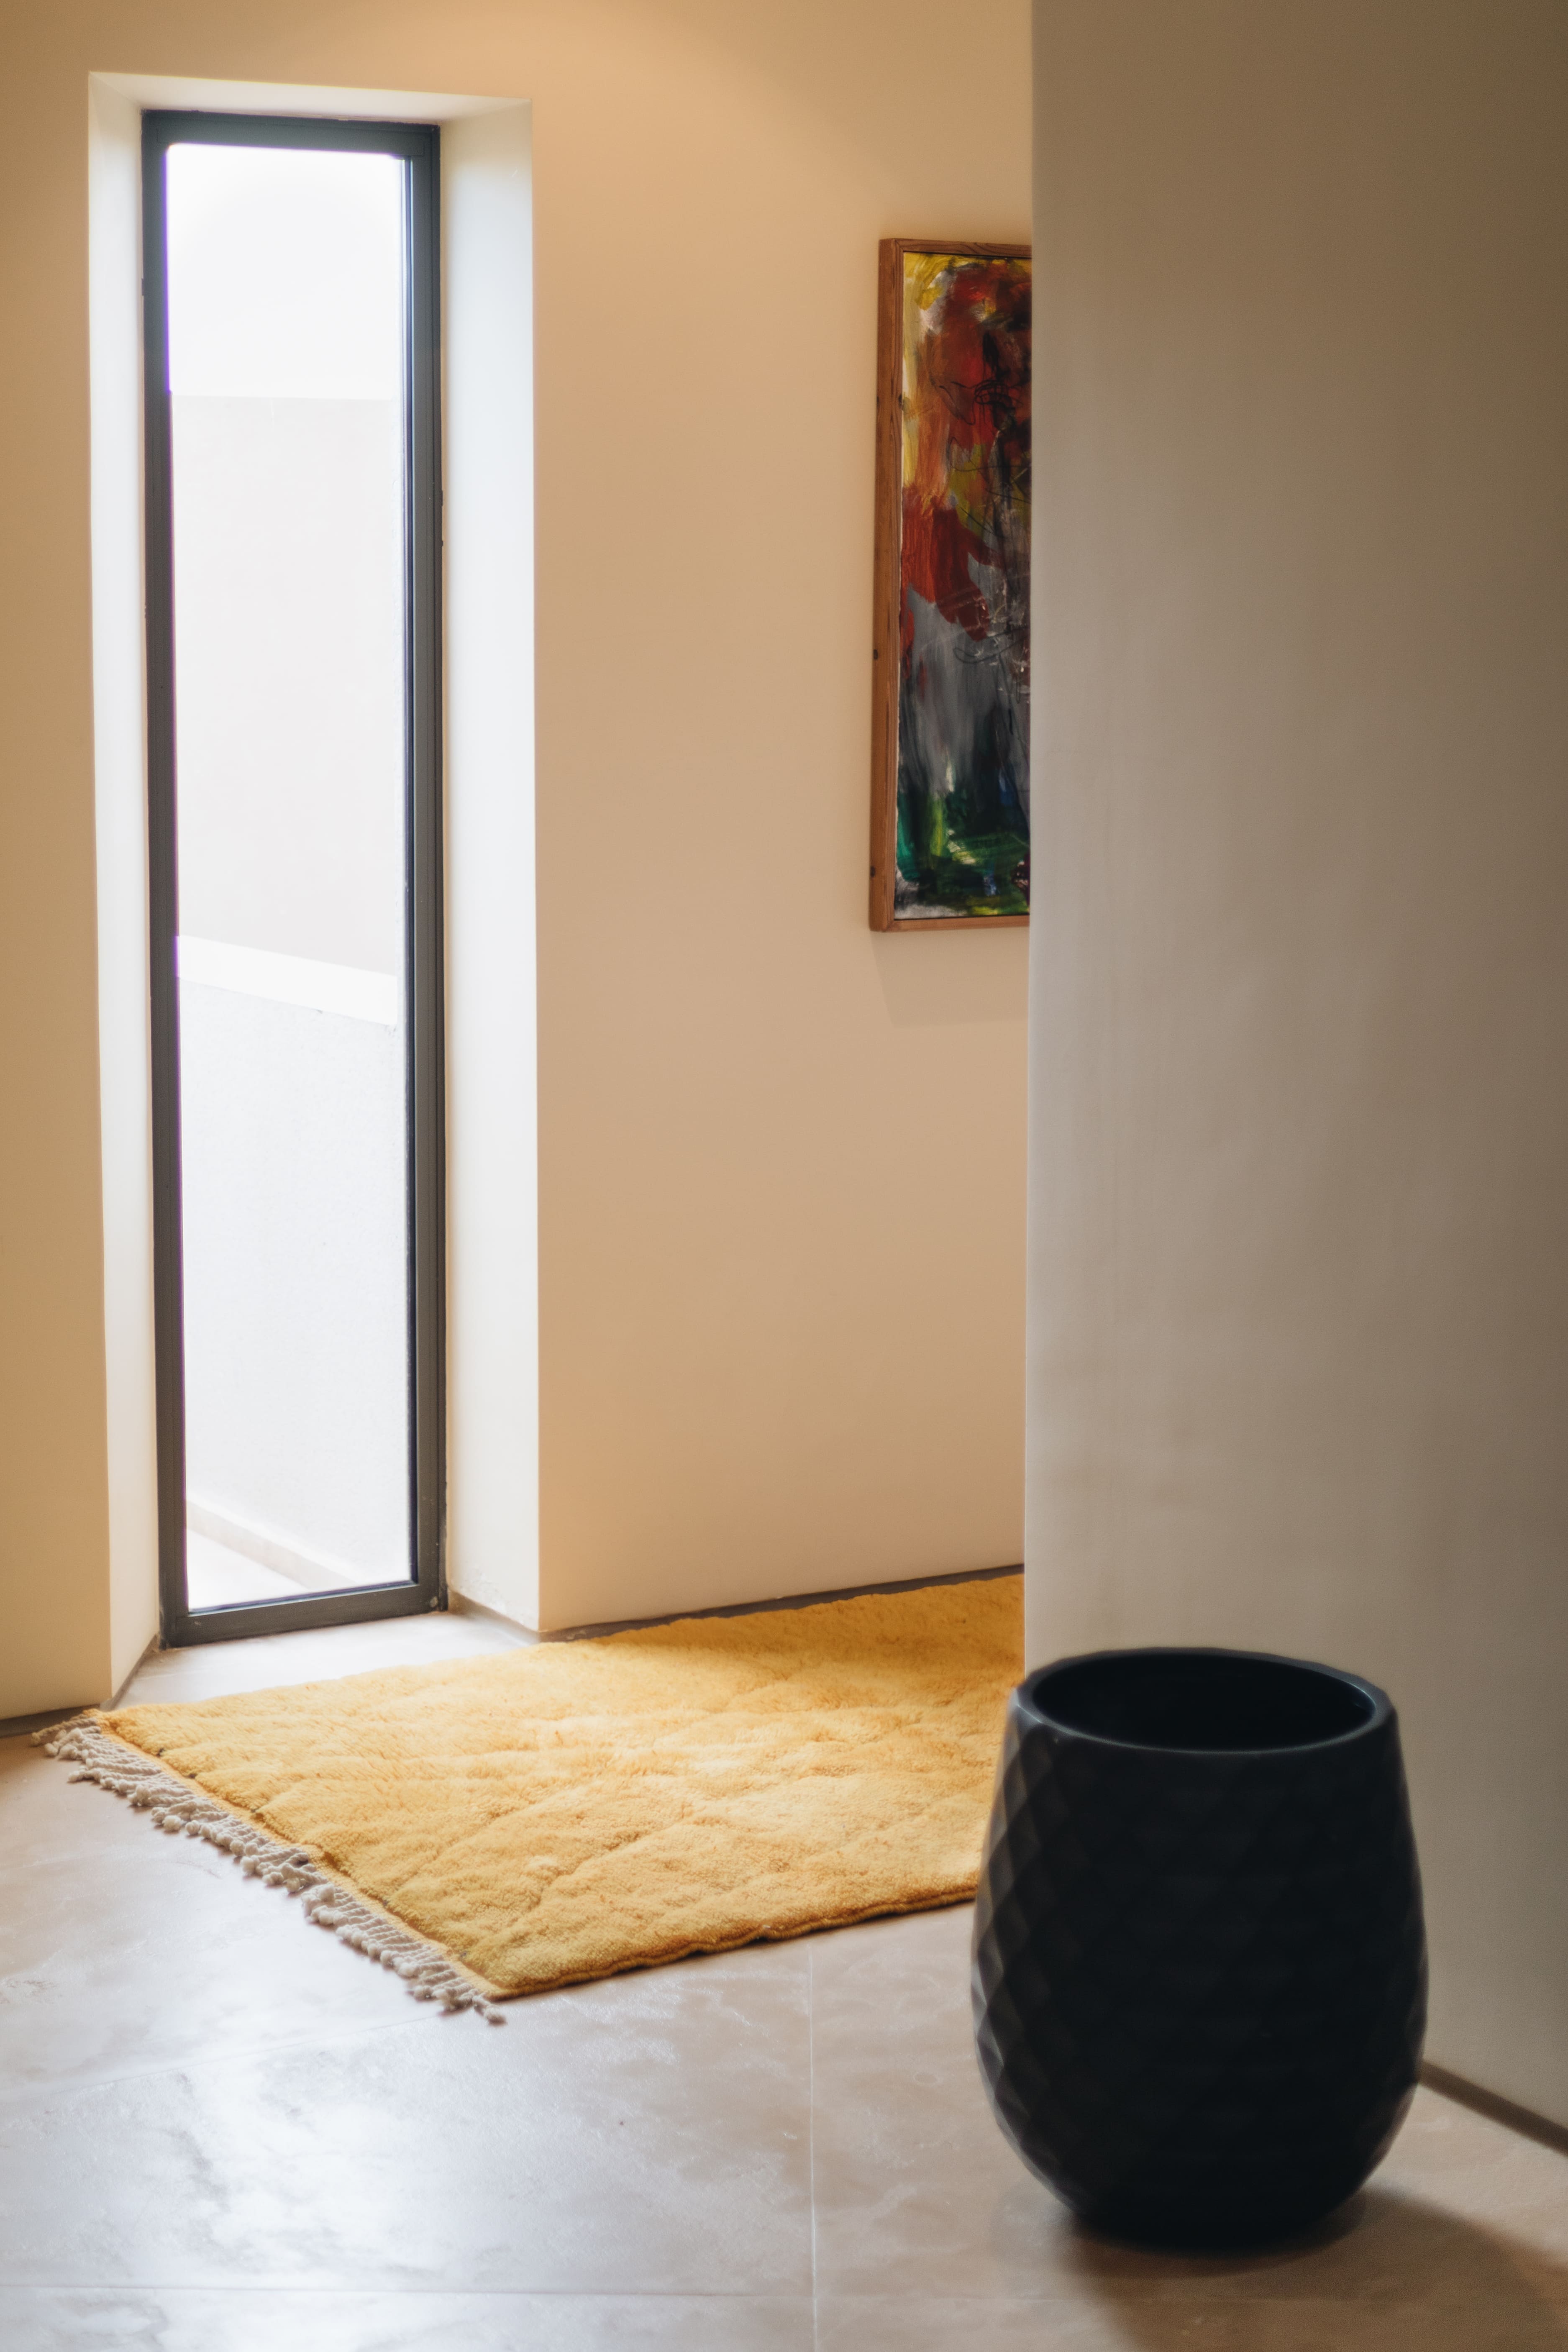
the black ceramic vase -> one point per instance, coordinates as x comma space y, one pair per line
1200, 1969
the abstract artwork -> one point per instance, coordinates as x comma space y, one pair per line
950, 827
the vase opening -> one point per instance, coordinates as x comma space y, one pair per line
1197, 1700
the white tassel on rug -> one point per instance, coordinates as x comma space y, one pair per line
113, 1765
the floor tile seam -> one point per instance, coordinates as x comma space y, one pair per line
1421, 2302
1325, 2309
1039, 2299
425, 2018
60, 2087
811, 2131
1084, 2296
1174, 2299
413, 2292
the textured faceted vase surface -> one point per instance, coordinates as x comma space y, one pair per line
1200, 1972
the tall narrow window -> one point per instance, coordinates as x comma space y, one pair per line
294, 633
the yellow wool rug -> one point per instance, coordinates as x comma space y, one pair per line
503, 1825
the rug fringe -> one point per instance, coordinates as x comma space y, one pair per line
147, 1785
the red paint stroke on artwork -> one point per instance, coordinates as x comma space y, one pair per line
970, 403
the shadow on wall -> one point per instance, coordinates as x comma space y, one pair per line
1387, 2274
930, 981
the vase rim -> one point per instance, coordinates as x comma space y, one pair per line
1144, 1659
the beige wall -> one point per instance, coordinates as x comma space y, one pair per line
781, 1160
1299, 1316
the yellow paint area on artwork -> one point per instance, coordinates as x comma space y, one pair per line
927, 277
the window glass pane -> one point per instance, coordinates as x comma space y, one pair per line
285, 338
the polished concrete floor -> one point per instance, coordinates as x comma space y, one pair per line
222, 2131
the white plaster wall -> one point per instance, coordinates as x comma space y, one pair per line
1298, 1288
492, 1027
119, 811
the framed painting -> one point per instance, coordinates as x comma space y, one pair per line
950, 749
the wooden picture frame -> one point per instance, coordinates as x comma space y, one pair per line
979, 376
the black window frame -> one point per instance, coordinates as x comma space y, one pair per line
418, 146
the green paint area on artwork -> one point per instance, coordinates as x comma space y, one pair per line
955, 867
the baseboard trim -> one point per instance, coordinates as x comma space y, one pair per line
1523, 2120
153, 1646
786, 1601
461, 1603
461, 1606
20, 1727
